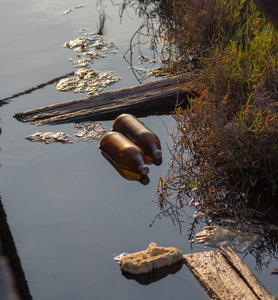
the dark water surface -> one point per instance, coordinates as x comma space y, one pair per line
69, 212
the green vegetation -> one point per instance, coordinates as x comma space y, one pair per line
226, 142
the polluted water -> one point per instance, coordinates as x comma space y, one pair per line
86, 131
130, 146
88, 48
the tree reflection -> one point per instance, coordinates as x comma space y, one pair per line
252, 217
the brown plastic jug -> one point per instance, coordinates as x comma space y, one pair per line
123, 152
139, 134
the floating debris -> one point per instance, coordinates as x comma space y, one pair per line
50, 137
92, 45
70, 9
86, 81
119, 257
89, 131
143, 59
81, 41
148, 260
67, 11
238, 240
88, 48
158, 72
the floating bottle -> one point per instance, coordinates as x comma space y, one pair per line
139, 134
124, 153
127, 174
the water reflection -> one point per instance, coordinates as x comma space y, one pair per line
156, 275
127, 174
9, 250
255, 219
40, 86
130, 175
141, 63
101, 25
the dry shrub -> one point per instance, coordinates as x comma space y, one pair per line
192, 23
193, 26
226, 144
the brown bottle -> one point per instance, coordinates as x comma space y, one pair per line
127, 174
124, 153
139, 134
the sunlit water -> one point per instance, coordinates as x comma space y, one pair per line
69, 212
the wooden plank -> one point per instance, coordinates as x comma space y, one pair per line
217, 276
224, 276
258, 289
157, 96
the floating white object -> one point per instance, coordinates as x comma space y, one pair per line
86, 81
237, 240
49, 137
87, 131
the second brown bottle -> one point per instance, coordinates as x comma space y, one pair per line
139, 134
124, 153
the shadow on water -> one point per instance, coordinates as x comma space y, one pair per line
30, 90
9, 250
149, 278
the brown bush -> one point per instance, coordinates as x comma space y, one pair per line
226, 143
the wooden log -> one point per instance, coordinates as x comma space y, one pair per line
224, 276
159, 96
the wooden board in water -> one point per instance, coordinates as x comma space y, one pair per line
224, 276
160, 96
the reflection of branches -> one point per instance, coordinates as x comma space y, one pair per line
102, 19
149, 33
130, 61
175, 213
192, 230
167, 208
266, 250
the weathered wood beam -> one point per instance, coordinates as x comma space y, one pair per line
224, 276
160, 96
258, 289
